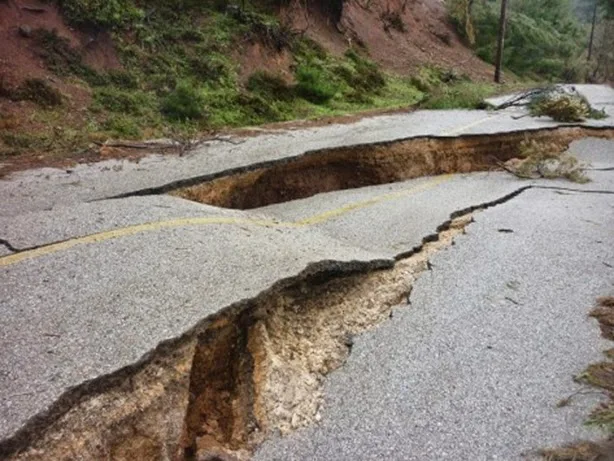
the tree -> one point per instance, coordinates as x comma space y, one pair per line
500, 41
543, 38
593, 24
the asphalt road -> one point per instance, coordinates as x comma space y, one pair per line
49, 188
474, 368
104, 282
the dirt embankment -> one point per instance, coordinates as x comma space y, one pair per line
400, 35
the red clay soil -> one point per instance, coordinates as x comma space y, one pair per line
428, 38
255, 57
18, 55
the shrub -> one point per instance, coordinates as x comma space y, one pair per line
186, 102
269, 85
464, 95
315, 85
33, 89
123, 79
123, 126
562, 108
427, 79
367, 76
208, 67
104, 13
258, 109
122, 101
40, 92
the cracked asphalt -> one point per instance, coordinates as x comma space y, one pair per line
474, 368
111, 279
49, 188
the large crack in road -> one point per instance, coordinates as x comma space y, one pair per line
355, 166
252, 369
257, 366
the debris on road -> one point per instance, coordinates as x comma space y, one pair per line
547, 160
601, 376
559, 102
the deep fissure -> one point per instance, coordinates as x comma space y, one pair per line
357, 166
256, 366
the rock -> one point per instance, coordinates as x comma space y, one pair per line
25, 31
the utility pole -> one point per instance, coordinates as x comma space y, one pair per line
590, 43
500, 41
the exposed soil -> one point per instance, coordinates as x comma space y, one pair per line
254, 57
218, 391
426, 37
364, 165
423, 34
19, 57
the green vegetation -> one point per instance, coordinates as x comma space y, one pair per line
185, 102
35, 90
180, 75
561, 104
103, 13
463, 95
544, 39
563, 108
314, 84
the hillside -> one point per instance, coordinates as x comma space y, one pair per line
76, 73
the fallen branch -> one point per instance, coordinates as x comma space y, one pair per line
522, 99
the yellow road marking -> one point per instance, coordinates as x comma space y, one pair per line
127, 231
317, 219
460, 129
209, 220
310, 221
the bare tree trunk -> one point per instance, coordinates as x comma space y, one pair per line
500, 41
590, 43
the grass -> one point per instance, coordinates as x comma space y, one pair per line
463, 95
601, 376
179, 75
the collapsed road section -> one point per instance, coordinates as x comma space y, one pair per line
356, 166
219, 390
252, 368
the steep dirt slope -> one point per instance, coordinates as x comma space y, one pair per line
20, 58
401, 35
64, 91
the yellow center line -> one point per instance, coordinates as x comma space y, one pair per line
327, 215
460, 129
211, 220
